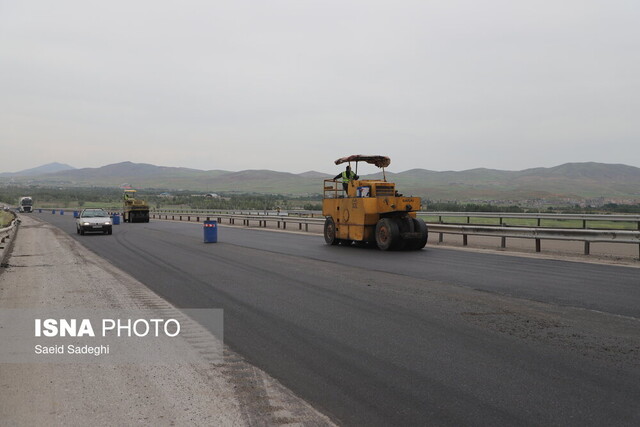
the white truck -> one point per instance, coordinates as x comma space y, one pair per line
26, 204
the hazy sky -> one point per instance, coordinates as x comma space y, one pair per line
292, 85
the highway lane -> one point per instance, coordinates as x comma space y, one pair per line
437, 337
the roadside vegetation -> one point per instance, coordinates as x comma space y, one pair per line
5, 218
111, 198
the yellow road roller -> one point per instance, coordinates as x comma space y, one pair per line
370, 211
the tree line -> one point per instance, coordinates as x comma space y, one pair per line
79, 196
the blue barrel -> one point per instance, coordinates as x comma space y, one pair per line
53, 212
61, 212
76, 214
116, 219
39, 210
210, 231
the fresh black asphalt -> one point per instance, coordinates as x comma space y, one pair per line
435, 337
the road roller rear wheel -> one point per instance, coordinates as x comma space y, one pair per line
387, 234
330, 232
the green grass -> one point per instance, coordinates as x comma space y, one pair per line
5, 219
57, 205
526, 222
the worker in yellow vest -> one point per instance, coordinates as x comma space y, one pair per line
346, 176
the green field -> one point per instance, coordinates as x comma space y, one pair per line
57, 205
526, 222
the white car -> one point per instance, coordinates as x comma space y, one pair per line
93, 220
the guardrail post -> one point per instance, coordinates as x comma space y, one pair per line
173, 217
584, 225
284, 225
441, 237
587, 247
180, 217
300, 226
189, 218
197, 219
539, 224
278, 224
306, 227
503, 242
537, 245
464, 240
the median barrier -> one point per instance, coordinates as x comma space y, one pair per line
537, 234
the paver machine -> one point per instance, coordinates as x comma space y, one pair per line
134, 210
371, 211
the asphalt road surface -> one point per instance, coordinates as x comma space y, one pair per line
435, 337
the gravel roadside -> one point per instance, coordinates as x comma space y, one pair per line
47, 268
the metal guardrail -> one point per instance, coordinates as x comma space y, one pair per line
588, 217
261, 220
6, 238
256, 212
501, 216
439, 215
619, 236
538, 234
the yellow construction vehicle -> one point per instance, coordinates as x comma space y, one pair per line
370, 211
134, 210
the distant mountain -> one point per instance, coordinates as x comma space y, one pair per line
139, 175
48, 168
567, 181
315, 174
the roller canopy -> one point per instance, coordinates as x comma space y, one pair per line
379, 161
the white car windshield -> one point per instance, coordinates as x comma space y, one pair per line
97, 213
